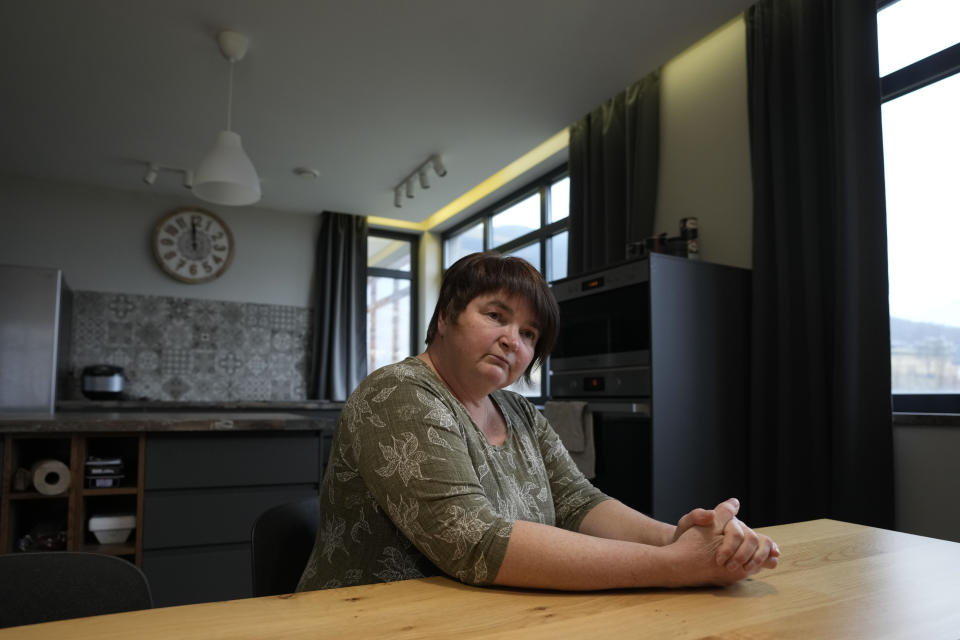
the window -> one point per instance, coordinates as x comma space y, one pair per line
919, 60
391, 297
530, 223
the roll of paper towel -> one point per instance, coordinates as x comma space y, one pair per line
50, 477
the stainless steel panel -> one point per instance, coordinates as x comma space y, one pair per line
600, 281
32, 307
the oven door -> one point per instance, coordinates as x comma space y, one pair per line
608, 329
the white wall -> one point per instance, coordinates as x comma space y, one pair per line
101, 240
705, 146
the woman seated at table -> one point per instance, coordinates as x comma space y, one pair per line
437, 470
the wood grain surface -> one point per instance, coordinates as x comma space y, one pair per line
836, 580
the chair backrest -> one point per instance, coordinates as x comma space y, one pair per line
281, 542
56, 585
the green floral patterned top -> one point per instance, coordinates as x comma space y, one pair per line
414, 489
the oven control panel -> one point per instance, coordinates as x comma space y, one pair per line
621, 382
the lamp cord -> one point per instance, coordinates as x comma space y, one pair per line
230, 96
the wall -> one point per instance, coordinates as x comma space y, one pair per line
705, 146
927, 482
100, 238
428, 283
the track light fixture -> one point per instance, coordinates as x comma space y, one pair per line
438, 165
154, 169
420, 173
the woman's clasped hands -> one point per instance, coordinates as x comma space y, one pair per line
713, 547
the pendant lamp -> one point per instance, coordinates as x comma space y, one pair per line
226, 175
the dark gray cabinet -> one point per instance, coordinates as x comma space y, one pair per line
682, 444
203, 492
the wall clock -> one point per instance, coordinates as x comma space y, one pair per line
192, 245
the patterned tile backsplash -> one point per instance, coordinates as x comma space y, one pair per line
195, 350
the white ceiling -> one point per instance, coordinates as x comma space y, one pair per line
361, 90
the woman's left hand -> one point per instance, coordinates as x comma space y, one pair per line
741, 546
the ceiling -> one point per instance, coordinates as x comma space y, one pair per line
363, 91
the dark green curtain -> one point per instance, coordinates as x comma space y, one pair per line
821, 440
614, 160
339, 361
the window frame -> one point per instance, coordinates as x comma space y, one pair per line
542, 235
412, 276
542, 186
922, 73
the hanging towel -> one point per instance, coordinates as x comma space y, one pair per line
573, 422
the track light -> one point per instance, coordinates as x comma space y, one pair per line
420, 173
154, 169
438, 165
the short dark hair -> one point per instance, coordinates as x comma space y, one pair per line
481, 273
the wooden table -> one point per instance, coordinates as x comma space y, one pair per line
836, 580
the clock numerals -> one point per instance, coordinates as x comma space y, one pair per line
171, 230
181, 222
170, 255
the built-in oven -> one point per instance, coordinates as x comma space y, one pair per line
603, 350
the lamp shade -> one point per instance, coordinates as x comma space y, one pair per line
226, 175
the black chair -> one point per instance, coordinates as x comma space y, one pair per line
281, 542
56, 585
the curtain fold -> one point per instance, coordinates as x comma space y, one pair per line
821, 439
614, 160
339, 354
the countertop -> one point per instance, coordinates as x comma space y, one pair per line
294, 406
118, 421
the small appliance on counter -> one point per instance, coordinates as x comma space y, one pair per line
102, 382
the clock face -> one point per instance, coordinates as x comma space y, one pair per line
193, 245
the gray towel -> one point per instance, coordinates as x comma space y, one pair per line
574, 424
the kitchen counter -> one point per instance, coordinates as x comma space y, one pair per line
151, 421
295, 406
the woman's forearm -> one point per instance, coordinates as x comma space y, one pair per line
614, 520
544, 557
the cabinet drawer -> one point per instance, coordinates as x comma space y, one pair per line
180, 461
210, 516
198, 574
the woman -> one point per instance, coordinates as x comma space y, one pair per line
435, 469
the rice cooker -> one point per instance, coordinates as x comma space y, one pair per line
102, 382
